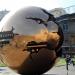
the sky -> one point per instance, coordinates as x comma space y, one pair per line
11, 5
47, 4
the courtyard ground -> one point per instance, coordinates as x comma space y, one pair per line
58, 69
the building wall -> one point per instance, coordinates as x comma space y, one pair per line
67, 22
3, 13
58, 12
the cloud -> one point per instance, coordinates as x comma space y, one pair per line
15, 4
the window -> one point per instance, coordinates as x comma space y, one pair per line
65, 27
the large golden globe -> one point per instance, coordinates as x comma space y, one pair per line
31, 41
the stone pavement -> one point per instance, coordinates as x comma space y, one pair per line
56, 70
61, 70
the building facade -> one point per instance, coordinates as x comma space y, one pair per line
57, 12
67, 22
3, 13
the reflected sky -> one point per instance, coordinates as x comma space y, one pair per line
22, 25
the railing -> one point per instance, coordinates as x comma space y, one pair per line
5, 37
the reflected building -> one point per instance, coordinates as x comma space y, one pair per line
6, 37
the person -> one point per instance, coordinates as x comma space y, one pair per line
68, 59
73, 62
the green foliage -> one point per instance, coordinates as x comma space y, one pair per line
2, 65
61, 62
